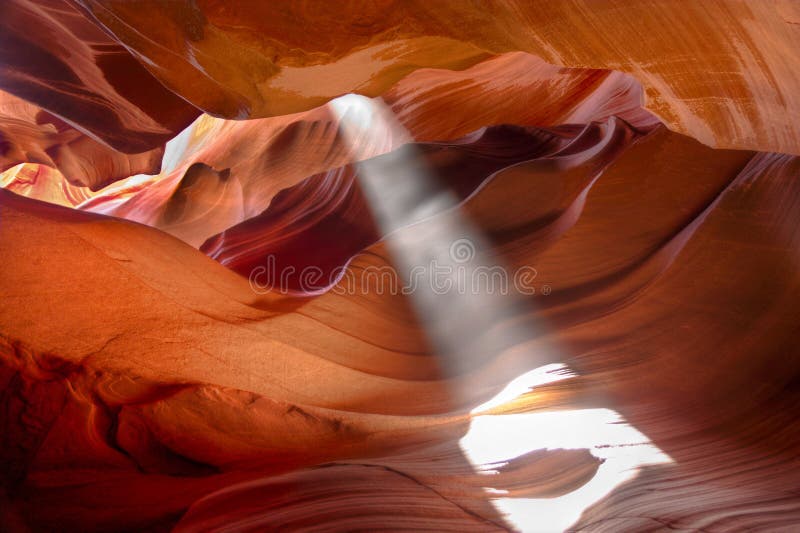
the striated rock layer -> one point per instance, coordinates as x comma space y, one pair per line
722, 71
325, 220
231, 170
89, 99
729, 81
643, 376
144, 379
29, 134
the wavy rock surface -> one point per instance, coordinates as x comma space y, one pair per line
325, 220
232, 170
89, 98
169, 384
29, 134
43, 183
645, 379
729, 80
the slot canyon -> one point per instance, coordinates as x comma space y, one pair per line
392, 265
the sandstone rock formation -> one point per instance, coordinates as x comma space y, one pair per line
94, 98
722, 71
637, 162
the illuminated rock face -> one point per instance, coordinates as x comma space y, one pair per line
165, 366
30, 134
729, 79
89, 99
255, 159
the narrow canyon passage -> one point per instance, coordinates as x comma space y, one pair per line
358, 266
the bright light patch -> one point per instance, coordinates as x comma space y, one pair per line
526, 383
494, 440
401, 190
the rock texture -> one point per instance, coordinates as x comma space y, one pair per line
729, 79
233, 169
88, 97
325, 220
159, 364
43, 183
29, 134
645, 376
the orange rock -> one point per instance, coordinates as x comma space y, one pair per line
222, 172
648, 381
90, 97
142, 376
31, 135
721, 71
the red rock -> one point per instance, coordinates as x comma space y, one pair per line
91, 98
647, 381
